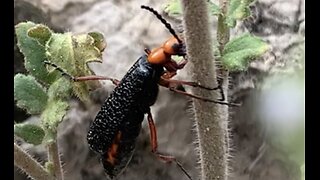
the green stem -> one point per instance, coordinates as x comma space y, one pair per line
29, 165
53, 156
209, 119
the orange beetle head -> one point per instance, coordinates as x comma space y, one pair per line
157, 56
173, 47
162, 55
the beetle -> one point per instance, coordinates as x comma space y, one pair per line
114, 131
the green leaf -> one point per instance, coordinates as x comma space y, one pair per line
33, 52
86, 52
238, 10
59, 51
214, 9
173, 8
240, 51
99, 41
41, 33
30, 133
29, 94
53, 114
60, 89
72, 54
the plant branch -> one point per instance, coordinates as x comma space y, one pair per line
210, 121
53, 156
29, 165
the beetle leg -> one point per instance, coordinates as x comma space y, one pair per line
95, 78
82, 78
168, 75
193, 84
153, 133
166, 78
220, 81
147, 51
173, 84
154, 145
173, 66
202, 98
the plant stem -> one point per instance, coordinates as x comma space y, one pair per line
53, 156
29, 165
223, 32
223, 37
210, 118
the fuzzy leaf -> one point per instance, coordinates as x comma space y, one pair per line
60, 89
41, 33
29, 94
30, 133
238, 10
72, 54
99, 41
33, 52
240, 51
59, 51
85, 51
53, 114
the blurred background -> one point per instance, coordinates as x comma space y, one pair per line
267, 132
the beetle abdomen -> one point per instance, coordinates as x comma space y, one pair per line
132, 97
115, 165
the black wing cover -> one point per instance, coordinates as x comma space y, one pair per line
122, 112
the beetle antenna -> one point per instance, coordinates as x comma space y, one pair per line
63, 72
168, 26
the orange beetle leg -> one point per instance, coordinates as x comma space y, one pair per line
154, 145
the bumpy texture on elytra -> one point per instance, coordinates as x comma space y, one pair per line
124, 111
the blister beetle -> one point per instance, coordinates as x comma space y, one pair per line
117, 125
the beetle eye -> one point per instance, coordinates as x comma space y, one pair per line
179, 49
176, 47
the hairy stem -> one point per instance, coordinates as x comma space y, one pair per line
223, 37
29, 165
223, 32
53, 156
210, 121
